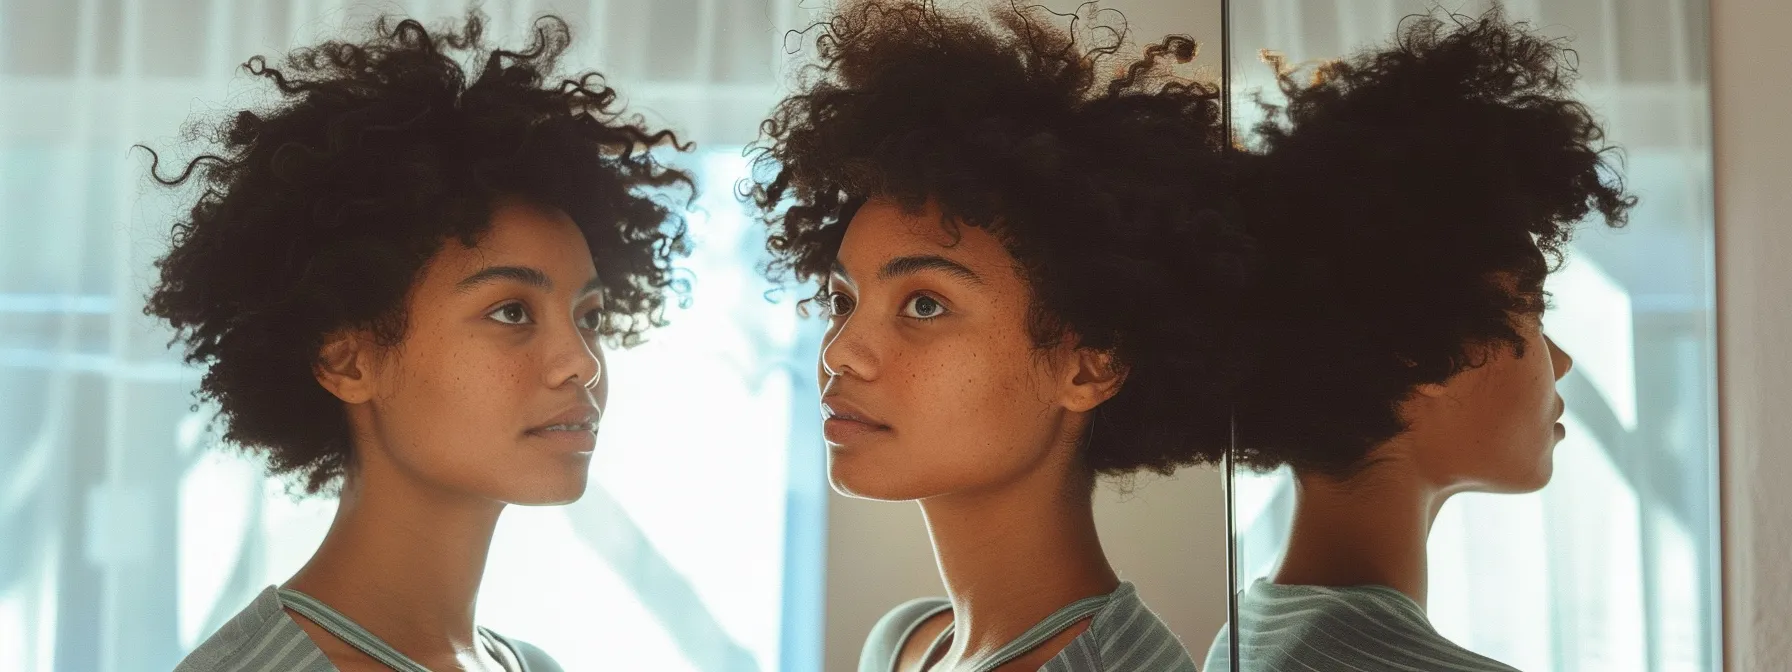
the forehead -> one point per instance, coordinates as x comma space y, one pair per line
881, 231
523, 233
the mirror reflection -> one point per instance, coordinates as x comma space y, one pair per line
1594, 548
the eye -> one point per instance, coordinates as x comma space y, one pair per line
923, 307
510, 313
839, 304
591, 320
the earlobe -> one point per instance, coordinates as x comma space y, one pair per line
1095, 378
1433, 390
343, 367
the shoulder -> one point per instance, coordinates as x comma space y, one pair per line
261, 636
1126, 635
895, 628
533, 658
1366, 628
1271, 607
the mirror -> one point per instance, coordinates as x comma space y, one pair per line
1613, 564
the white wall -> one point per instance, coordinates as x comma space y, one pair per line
1751, 102
1167, 537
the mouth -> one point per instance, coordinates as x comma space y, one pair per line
843, 422
574, 429
588, 427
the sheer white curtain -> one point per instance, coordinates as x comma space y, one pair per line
127, 534
1613, 566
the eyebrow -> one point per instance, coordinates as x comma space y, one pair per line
533, 277
910, 265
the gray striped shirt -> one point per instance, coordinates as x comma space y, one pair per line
1123, 636
1306, 628
264, 638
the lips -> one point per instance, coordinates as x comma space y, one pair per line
844, 422
579, 418
837, 408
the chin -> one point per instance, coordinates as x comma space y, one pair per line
861, 481
1525, 480
1545, 471
549, 498
548, 489
1529, 485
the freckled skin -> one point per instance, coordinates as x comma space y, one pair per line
459, 391
968, 403
979, 425
442, 436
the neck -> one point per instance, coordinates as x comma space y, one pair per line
1012, 556
1369, 529
404, 560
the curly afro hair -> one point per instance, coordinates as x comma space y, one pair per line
1408, 203
1103, 176
320, 214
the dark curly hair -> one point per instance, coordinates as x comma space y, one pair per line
1102, 175
1408, 203
319, 215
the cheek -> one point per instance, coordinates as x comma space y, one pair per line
976, 405
1531, 391
1522, 406
458, 391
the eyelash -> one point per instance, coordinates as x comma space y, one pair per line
834, 299
524, 320
833, 304
941, 310
597, 326
597, 323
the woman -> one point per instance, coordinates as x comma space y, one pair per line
1000, 228
1408, 203
398, 280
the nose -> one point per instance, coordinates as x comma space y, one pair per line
1559, 358
845, 351
576, 360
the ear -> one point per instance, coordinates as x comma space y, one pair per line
345, 366
1093, 377
1432, 390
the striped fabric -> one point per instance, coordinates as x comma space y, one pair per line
1123, 636
263, 638
1306, 628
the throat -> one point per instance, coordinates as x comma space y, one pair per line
404, 567
1008, 563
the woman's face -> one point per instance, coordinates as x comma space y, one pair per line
1494, 428
930, 381
496, 389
